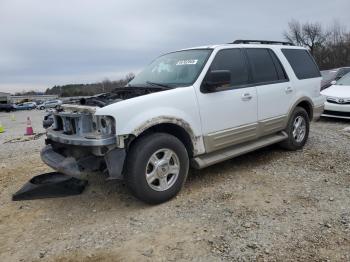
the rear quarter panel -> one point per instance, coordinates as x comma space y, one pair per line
303, 88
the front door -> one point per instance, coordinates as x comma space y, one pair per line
229, 115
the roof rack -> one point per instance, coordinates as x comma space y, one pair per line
263, 42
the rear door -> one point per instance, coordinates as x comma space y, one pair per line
274, 91
229, 115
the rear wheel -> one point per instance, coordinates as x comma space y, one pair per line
297, 130
157, 167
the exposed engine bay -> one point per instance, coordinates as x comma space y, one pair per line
117, 95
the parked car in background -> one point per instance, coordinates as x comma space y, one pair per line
49, 104
198, 107
26, 106
332, 75
7, 107
338, 98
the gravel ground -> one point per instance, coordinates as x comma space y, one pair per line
269, 205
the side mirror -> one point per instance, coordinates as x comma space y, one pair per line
215, 79
333, 82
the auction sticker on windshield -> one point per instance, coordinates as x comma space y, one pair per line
187, 62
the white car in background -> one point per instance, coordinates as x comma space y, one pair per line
338, 98
49, 104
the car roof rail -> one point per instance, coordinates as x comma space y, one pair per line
263, 42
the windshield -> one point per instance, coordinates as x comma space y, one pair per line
344, 81
328, 74
174, 69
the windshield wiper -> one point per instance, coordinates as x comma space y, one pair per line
158, 84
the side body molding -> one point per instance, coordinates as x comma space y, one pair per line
238, 135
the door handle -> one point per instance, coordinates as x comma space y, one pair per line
246, 97
289, 89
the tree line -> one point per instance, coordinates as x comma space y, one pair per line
329, 46
89, 89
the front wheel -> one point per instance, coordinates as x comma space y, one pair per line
297, 130
157, 167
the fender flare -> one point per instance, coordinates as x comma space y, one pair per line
197, 141
296, 103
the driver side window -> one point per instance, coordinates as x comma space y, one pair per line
234, 61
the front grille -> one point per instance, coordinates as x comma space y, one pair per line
339, 101
336, 113
70, 126
73, 124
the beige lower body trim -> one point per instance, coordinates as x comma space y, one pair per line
272, 125
241, 134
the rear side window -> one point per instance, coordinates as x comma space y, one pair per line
279, 68
302, 63
263, 65
234, 61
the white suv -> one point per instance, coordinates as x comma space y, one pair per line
197, 107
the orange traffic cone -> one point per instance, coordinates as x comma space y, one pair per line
29, 130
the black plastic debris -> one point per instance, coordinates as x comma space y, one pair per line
50, 185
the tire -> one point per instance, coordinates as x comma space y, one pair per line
163, 183
42, 108
297, 139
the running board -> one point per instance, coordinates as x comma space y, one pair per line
203, 161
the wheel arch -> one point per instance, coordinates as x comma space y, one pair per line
305, 103
173, 126
308, 108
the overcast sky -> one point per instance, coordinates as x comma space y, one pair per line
43, 43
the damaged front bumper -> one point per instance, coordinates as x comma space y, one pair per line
59, 136
112, 161
65, 165
79, 141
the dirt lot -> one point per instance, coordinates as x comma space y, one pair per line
270, 205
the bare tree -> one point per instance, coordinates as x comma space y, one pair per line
129, 77
337, 48
310, 35
294, 34
330, 48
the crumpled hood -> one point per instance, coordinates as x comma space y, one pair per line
117, 95
337, 91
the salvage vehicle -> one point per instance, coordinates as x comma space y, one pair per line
338, 98
194, 107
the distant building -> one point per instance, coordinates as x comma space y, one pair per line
4, 98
